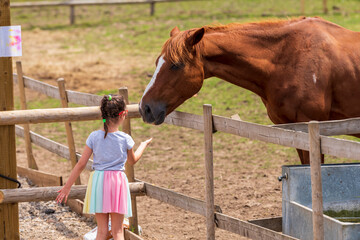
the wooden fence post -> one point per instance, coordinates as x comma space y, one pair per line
152, 8
129, 169
68, 127
302, 7
209, 172
9, 213
72, 14
29, 153
316, 185
325, 7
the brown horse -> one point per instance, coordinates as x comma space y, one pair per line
303, 69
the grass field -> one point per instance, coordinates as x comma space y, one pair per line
129, 30
114, 46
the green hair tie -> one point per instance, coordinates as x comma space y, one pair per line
104, 120
110, 97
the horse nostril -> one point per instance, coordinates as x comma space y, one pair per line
147, 109
148, 114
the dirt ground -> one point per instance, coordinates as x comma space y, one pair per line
246, 172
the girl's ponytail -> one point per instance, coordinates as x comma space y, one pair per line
105, 127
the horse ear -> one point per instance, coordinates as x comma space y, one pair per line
174, 31
195, 38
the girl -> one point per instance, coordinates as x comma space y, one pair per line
108, 188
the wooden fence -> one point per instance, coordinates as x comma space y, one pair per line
73, 3
324, 3
208, 123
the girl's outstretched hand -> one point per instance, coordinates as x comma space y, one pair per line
148, 141
63, 194
133, 157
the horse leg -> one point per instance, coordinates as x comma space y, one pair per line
305, 157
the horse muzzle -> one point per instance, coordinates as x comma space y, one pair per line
153, 114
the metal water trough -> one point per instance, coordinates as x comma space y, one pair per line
341, 191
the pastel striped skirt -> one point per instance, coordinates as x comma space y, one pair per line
108, 192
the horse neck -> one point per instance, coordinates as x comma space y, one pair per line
244, 58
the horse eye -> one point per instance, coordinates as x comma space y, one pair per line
177, 66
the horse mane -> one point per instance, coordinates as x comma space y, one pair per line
255, 25
176, 51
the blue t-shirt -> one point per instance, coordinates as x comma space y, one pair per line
110, 153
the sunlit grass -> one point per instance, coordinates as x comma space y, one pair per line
129, 30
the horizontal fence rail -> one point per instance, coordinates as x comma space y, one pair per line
183, 119
177, 199
260, 132
272, 134
248, 229
75, 3
328, 128
49, 115
289, 138
40, 178
80, 98
58, 115
50, 145
50, 193
129, 235
87, 2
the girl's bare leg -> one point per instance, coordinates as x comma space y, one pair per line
117, 226
102, 220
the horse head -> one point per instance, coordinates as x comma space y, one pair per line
179, 74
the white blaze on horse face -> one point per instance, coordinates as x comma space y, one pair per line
152, 81
314, 78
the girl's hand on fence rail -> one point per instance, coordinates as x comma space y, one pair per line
63, 194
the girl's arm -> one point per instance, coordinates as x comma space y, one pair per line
133, 157
75, 173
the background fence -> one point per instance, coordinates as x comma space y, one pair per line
74, 3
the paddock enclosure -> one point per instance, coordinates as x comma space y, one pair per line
208, 124
245, 171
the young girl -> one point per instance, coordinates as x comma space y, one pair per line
108, 189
